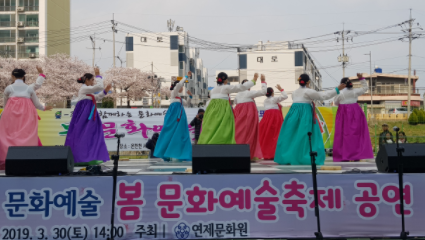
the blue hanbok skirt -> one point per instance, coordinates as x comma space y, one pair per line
174, 140
293, 145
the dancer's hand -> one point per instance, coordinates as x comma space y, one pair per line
108, 88
39, 69
48, 108
255, 76
189, 93
263, 78
342, 86
96, 71
189, 74
359, 75
279, 87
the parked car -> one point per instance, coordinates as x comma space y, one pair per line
400, 110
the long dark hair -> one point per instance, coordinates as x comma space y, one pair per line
84, 78
347, 81
221, 78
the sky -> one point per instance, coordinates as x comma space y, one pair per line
248, 21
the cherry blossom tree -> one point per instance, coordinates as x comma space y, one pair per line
129, 83
165, 92
6, 67
62, 72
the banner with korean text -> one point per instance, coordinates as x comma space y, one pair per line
209, 206
140, 124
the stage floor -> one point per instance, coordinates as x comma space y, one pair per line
157, 166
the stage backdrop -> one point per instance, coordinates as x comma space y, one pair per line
257, 206
140, 124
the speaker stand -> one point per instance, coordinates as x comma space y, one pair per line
400, 150
114, 187
313, 155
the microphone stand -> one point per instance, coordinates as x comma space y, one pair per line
400, 150
114, 187
313, 155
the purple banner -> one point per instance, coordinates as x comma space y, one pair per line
209, 206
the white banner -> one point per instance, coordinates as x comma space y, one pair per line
138, 125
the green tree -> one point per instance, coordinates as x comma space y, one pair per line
421, 116
107, 103
413, 119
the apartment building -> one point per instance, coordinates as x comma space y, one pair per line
32, 28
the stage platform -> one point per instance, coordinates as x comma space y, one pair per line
158, 166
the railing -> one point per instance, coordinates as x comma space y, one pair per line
31, 24
7, 39
390, 89
7, 54
28, 55
31, 39
31, 8
7, 24
7, 8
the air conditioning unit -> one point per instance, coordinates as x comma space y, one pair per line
21, 40
21, 24
260, 59
274, 58
143, 39
32, 55
21, 9
159, 39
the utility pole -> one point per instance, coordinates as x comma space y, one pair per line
93, 40
113, 39
371, 87
344, 58
410, 63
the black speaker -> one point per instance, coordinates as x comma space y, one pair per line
229, 158
39, 161
413, 158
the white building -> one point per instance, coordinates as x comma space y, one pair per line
281, 62
30, 28
168, 55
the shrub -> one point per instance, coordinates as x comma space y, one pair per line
413, 119
107, 103
421, 116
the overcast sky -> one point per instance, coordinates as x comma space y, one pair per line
248, 21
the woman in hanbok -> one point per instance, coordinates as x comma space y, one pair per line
271, 122
19, 121
174, 140
293, 146
246, 119
218, 126
85, 134
352, 138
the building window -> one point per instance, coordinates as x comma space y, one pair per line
7, 51
299, 57
159, 39
29, 5
7, 5
274, 58
29, 35
143, 39
242, 61
260, 59
181, 65
174, 42
28, 51
181, 49
129, 44
7, 36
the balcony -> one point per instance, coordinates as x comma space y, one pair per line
30, 8
7, 39
28, 39
7, 54
390, 89
31, 24
7, 24
27, 55
7, 8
